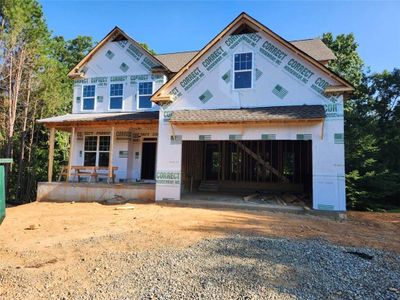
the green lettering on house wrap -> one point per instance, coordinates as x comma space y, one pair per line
175, 93
214, 58
319, 86
148, 63
251, 38
298, 70
134, 52
190, 80
272, 53
168, 177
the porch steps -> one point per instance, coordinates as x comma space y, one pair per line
208, 186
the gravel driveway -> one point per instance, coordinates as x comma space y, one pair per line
234, 267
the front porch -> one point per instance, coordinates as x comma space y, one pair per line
110, 155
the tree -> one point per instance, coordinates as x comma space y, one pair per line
145, 46
371, 128
33, 68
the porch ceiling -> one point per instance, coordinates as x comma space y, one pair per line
101, 119
294, 113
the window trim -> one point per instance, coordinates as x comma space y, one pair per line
98, 151
138, 95
83, 98
251, 70
109, 98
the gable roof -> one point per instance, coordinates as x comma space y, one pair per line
175, 61
113, 34
344, 86
313, 47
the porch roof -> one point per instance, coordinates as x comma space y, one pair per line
248, 115
120, 117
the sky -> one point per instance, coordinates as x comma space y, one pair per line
172, 26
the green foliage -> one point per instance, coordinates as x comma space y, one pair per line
145, 46
372, 129
44, 91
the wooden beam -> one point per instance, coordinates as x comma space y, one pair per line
51, 155
262, 162
71, 151
110, 158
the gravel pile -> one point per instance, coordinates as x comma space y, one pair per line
235, 267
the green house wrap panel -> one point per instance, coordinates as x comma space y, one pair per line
280, 91
268, 136
235, 137
207, 95
227, 76
339, 138
124, 67
304, 137
2, 195
206, 137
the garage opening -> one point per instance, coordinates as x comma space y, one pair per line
259, 171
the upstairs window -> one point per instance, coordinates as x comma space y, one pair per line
243, 70
116, 95
145, 92
88, 97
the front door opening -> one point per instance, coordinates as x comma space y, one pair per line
148, 160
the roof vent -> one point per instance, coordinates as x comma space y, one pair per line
244, 29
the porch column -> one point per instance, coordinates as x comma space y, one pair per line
110, 158
71, 151
51, 155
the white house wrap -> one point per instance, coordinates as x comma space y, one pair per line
250, 110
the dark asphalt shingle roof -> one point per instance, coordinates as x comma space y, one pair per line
103, 117
313, 47
267, 114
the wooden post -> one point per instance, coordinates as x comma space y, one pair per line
71, 151
110, 158
51, 155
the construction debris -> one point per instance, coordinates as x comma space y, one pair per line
276, 198
128, 207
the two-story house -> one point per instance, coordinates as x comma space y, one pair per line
248, 112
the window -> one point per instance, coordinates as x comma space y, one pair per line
243, 70
116, 93
88, 97
145, 92
97, 151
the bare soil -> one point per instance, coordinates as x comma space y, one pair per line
48, 240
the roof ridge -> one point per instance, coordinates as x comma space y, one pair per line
177, 52
301, 40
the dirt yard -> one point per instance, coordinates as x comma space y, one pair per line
49, 250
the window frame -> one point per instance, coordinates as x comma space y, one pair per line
97, 151
247, 70
109, 98
138, 96
83, 98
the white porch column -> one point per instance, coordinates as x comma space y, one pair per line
71, 152
110, 158
51, 155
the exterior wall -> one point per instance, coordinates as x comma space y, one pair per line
102, 71
127, 153
208, 84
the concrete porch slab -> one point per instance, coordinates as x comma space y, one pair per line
94, 192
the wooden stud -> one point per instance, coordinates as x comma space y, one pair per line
51, 155
71, 151
110, 157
